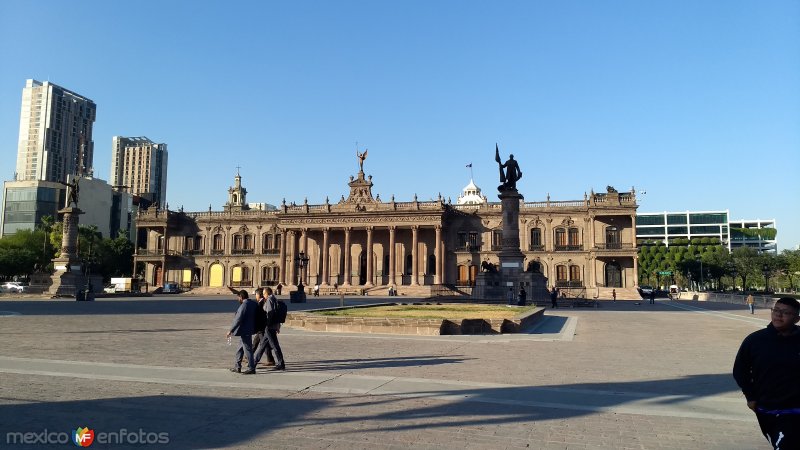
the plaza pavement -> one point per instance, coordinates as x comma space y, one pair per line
624, 375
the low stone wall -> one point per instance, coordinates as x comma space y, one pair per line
410, 326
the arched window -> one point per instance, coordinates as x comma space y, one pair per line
536, 239
560, 238
219, 244
573, 237
574, 273
561, 273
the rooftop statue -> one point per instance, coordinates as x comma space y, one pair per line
512, 172
361, 158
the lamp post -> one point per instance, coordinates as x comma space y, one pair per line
301, 262
765, 270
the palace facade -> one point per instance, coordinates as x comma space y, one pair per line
364, 244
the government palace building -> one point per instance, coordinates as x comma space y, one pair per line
365, 245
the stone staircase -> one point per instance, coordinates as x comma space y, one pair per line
604, 293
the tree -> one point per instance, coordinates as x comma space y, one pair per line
746, 261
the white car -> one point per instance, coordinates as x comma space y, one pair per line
13, 286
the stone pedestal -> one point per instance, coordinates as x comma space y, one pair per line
494, 286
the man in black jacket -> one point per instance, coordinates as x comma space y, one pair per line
244, 324
260, 342
767, 369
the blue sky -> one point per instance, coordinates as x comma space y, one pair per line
695, 102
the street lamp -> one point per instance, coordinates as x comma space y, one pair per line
302, 262
765, 270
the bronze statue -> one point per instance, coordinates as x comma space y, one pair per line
512, 173
73, 191
361, 158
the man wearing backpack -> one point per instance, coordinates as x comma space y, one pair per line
260, 342
273, 328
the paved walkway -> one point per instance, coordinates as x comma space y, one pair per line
620, 376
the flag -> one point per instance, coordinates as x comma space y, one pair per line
469, 165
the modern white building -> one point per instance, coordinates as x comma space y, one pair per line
665, 226
139, 167
55, 133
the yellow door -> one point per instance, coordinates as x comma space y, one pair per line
236, 276
215, 275
187, 277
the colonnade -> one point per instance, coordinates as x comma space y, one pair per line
295, 241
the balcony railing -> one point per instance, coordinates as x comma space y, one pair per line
265, 283
536, 248
569, 283
468, 248
243, 283
192, 252
569, 248
271, 251
149, 252
614, 245
242, 251
217, 251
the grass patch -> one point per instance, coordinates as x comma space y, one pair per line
452, 312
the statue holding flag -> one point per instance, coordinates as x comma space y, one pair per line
512, 173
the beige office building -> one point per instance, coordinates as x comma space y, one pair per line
55, 133
367, 244
139, 167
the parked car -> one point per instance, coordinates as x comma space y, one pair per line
14, 287
110, 289
171, 288
645, 290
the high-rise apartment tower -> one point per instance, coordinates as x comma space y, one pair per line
139, 166
55, 133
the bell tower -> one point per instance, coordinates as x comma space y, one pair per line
237, 195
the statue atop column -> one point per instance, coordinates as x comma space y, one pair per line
73, 192
508, 179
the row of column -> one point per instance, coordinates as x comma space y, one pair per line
290, 269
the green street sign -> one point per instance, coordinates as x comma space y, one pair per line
665, 272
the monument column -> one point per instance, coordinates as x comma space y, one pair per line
346, 281
392, 271
369, 258
291, 243
325, 265
414, 245
437, 277
282, 262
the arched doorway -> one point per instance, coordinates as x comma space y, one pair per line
613, 275
215, 275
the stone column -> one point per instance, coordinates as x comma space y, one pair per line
414, 245
291, 277
282, 262
437, 278
635, 271
593, 243
369, 258
325, 265
392, 256
346, 281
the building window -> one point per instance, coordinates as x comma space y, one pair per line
218, 244
536, 239
574, 273
573, 237
561, 273
497, 239
613, 238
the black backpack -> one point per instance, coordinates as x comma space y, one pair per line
278, 313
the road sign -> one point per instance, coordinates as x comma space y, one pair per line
665, 272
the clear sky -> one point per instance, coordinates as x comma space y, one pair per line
695, 102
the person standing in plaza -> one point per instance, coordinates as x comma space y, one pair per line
244, 325
554, 297
523, 296
272, 331
511, 296
653, 296
751, 303
614, 295
767, 369
260, 341
279, 287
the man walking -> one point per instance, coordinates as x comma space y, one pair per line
767, 368
273, 328
244, 324
260, 341
554, 297
653, 296
751, 303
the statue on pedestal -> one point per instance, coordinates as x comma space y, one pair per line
512, 173
73, 192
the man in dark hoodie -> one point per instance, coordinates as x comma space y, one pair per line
767, 369
244, 325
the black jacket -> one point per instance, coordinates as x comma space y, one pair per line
767, 368
261, 316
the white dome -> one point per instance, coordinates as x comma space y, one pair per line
471, 195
